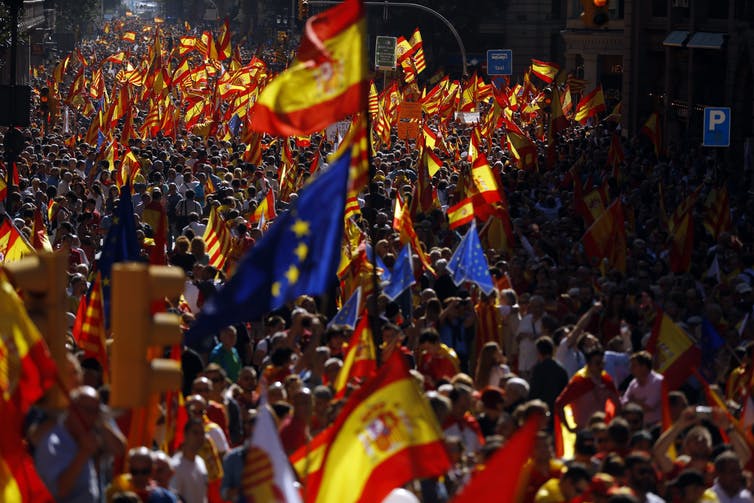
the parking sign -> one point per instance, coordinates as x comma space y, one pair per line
499, 62
716, 127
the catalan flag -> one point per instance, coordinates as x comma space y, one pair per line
218, 239
26, 371
417, 46
89, 327
360, 361
325, 82
405, 226
590, 105
385, 436
717, 218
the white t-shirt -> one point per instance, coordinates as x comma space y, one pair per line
190, 478
527, 351
218, 438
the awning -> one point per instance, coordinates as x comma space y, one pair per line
675, 39
706, 40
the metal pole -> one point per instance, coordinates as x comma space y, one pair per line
10, 155
424, 8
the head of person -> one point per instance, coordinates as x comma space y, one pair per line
574, 481
196, 406
228, 337
140, 467
729, 472
193, 435
641, 365
595, 361
690, 485
698, 442
247, 379
162, 468
640, 475
85, 406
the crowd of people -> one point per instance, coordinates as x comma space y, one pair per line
560, 335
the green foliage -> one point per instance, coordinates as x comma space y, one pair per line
76, 15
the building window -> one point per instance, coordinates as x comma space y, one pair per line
659, 8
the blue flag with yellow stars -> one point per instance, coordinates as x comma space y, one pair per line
120, 245
402, 275
468, 263
298, 255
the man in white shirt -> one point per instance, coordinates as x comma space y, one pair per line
645, 389
190, 478
529, 329
730, 485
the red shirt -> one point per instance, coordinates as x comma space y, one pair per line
293, 434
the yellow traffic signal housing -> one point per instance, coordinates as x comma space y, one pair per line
595, 13
43, 279
135, 330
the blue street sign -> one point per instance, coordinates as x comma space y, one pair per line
500, 62
716, 127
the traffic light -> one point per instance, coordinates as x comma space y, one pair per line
134, 375
42, 280
303, 9
595, 13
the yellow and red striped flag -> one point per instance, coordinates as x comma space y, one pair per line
89, 327
352, 207
218, 239
325, 82
461, 213
387, 434
266, 209
717, 219
417, 46
39, 238
13, 244
26, 371
360, 361
651, 129
544, 70
590, 105
129, 36
606, 237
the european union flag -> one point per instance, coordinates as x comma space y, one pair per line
402, 275
121, 244
349, 313
101, 139
468, 263
298, 255
234, 125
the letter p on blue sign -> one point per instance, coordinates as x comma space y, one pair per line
716, 127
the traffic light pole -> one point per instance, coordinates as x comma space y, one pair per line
386, 4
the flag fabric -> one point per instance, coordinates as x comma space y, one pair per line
710, 343
507, 472
544, 70
469, 263
674, 351
325, 82
13, 244
417, 48
89, 327
298, 255
606, 237
651, 129
402, 275
682, 243
349, 312
218, 238
460, 214
615, 154
39, 238
26, 371
360, 361
3, 189
265, 209
717, 219
267, 475
120, 245
385, 436
405, 226
590, 105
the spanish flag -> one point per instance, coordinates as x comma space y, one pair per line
325, 82
606, 237
675, 352
265, 209
544, 70
129, 36
13, 244
590, 105
507, 472
26, 372
385, 436
360, 361
461, 213
651, 129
